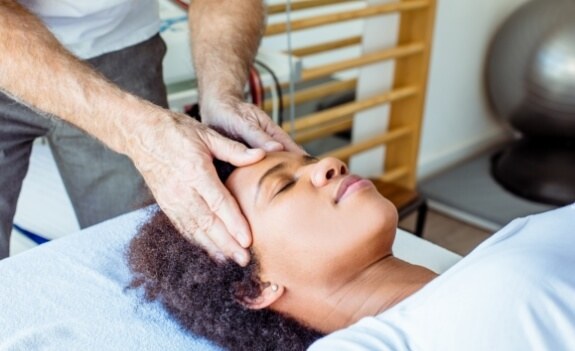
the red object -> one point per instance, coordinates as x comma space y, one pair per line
256, 87
182, 4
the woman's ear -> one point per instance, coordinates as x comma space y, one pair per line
270, 294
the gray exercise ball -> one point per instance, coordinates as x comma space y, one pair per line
531, 84
531, 69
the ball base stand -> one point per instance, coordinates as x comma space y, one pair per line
542, 171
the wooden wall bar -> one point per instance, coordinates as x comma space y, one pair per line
331, 45
317, 92
342, 124
395, 175
302, 5
413, 71
346, 152
387, 54
315, 119
369, 11
406, 98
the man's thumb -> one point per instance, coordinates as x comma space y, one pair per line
233, 152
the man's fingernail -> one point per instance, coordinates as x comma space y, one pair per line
220, 257
243, 239
273, 146
253, 151
240, 258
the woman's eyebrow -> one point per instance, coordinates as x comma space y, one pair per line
306, 159
275, 169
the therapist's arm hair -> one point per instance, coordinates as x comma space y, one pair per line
225, 36
39, 72
206, 296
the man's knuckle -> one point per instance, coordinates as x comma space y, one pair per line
206, 222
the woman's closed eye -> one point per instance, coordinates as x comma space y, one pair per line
281, 177
288, 184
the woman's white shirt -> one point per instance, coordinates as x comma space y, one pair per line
92, 28
516, 291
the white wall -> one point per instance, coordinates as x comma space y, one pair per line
458, 121
379, 33
316, 35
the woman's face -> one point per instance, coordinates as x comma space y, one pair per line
311, 220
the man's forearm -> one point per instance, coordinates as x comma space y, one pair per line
38, 71
225, 35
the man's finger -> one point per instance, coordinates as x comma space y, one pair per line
225, 207
257, 137
268, 132
226, 244
210, 232
231, 151
187, 223
201, 238
278, 134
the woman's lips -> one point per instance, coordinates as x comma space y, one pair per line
349, 185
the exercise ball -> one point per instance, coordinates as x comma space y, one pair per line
531, 85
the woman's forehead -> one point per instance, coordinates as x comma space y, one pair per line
270, 160
251, 172
281, 156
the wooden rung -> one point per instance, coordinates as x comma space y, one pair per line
332, 45
382, 55
278, 28
324, 130
332, 114
301, 5
347, 151
394, 175
400, 196
315, 93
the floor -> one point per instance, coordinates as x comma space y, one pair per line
448, 232
472, 199
469, 192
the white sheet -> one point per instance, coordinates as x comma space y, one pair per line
70, 294
515, 291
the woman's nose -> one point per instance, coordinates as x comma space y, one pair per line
327, 169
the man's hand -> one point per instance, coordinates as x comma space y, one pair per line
225, 36
247, 121
175, 159
172, 151
222, 59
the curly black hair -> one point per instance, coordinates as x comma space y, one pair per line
205, 295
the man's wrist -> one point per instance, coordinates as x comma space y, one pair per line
212, 102
137, 130
215, 92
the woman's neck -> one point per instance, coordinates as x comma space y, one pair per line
379, 287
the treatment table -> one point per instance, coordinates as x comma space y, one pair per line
71, 293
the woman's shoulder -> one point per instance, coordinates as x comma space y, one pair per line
519, 257
525, 268
552, 230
